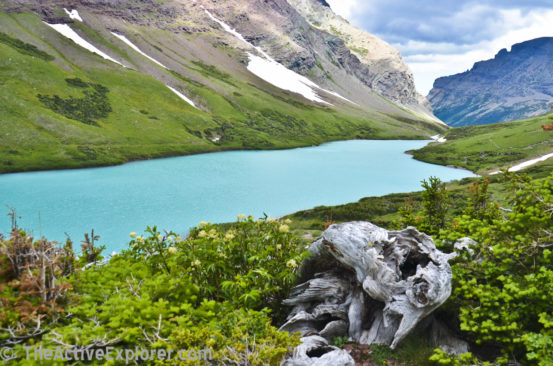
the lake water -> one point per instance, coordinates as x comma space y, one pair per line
177, 193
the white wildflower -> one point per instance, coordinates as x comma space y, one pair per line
284, 228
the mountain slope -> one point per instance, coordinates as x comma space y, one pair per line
183, 82
513, 85
387, 73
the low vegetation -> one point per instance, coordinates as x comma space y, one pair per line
223, 286
502, 285
219, 289
94, 105
485, 148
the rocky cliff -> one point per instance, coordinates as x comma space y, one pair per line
388, 74
513, 85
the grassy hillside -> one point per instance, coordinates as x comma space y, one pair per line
48, 85
487, 148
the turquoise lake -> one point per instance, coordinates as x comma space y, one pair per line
177, 193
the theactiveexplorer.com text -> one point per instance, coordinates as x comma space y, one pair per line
115, 354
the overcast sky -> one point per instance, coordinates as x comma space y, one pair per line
445, 37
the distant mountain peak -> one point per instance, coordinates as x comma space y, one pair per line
515, 84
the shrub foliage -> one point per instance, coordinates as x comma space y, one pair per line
24, 48
219, 289
503, 286
94, 105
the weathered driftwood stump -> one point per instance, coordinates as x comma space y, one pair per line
368, 283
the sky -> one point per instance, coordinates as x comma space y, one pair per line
446, 37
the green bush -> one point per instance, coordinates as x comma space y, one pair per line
24, 48
218, 290
252, 264
503, 293
93, 106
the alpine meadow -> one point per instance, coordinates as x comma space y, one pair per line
262, 182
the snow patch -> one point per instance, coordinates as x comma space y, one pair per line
274, 72
527, 163
73, 14
134, 47
283, 78
182, 96
438, 138
66, 31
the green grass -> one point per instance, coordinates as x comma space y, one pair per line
145, 119
491, 147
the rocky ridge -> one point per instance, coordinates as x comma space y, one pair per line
513, 85
388, 74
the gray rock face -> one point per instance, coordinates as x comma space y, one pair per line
368, 283
513, 85
299, 37
388, 74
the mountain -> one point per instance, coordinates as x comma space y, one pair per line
88, 83
388, 74
513, 85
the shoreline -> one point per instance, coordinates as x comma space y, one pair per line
220, 150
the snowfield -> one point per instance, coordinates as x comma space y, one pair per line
73, 14
274, 72
438, 138
232, 31
527, 163
134, 47
283, 78
67, 32
182, 96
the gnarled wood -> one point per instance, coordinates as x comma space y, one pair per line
374, 285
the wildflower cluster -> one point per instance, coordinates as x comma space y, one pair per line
252, 263
249, 263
